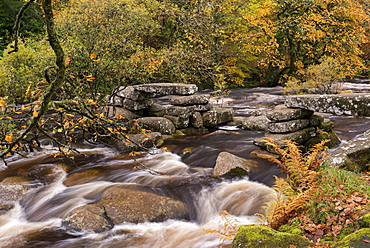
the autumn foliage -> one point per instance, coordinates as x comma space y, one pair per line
324, 203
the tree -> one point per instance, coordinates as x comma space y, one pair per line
308, 30
80, 113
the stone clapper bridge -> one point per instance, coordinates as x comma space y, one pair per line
190, 112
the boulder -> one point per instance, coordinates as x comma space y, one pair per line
167, 88
178, 121
259, 236
357, 104
298, 137
189, 100
358, 239
12, 189
157, 124
259, 123
287, 126
230, 164
354, 154
87, 218
125, 205
322, 135
217, 116
285, 114
120, 205
137, 105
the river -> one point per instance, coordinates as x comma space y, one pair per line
36, 220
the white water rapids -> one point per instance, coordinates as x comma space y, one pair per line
45, 205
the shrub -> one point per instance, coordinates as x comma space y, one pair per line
22, 73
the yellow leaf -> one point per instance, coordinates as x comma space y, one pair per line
59, 130
2, 103
8, 137
35, 113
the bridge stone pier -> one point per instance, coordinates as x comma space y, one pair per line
356, 104
185, 110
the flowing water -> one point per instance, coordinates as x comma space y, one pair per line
36, 220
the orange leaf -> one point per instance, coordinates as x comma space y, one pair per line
93, 55
67, 60
35, 113
8, 137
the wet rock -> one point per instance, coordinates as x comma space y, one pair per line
326, 125
114, 112
136, 105
263, 154
125, 205
230, 164
196, 120
179, 122
259, 236
189, 100
298, 137
82, 177
167, 88
285, 114
12, 190
287, 126
259, 123
354, 154
193, 130
357, 104
120, 205
91, 218
320, 136
217, 116
157, 124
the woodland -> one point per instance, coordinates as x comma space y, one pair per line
68, 55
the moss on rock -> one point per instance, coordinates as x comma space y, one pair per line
259, 236
358, 239
364, 221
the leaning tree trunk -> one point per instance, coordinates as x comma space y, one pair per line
54, 85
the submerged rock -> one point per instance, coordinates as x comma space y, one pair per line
12, 189
230, 164
259, 236
82, 177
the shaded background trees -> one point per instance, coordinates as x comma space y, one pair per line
223, 43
